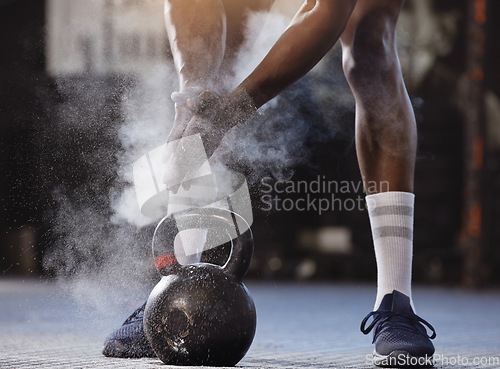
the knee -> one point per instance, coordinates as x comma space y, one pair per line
377, 62
371, 57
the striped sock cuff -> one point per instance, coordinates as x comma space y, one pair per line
391, 214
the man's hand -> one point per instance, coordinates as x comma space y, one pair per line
212, 117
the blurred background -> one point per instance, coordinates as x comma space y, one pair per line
84, 91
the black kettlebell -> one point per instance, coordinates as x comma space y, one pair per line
201, 314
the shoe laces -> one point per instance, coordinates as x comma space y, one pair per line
402, 321
137, 314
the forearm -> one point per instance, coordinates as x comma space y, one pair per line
313, 31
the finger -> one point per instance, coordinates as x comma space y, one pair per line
172, 170
175, 189
177, 131
199, 105
172, 179
174, 136
182, 115
199, 166
186, 185
178, 97
209, 139
185, 162
186, 182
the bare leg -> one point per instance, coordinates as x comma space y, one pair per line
197, 34
386, 136
204, 34
236, 15
386, 141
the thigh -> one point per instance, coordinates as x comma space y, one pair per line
236, 17
371, 19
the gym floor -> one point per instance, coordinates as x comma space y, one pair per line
44, 325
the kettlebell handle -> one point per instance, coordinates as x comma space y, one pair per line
215, 219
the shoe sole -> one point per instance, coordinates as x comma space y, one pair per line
402, 359
126, 351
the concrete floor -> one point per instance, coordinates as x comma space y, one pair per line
44, 325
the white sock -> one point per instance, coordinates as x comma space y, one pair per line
391, 219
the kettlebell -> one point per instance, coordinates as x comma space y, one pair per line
201, 314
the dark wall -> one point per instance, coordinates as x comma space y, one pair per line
35, 158
22, 82
21, 75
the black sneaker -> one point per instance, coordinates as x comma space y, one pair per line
129, 341
400, 338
